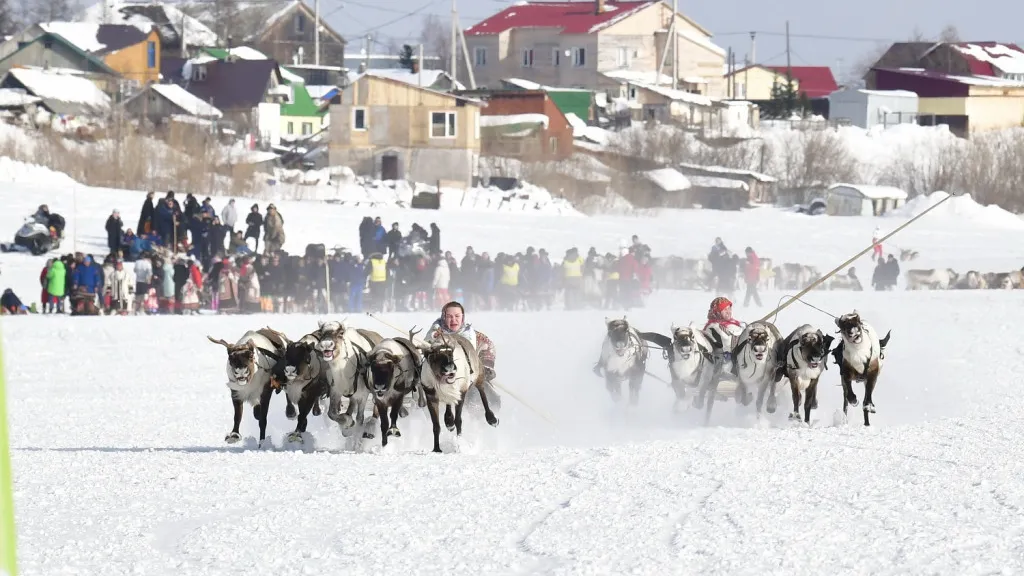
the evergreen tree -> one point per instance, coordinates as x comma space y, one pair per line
784, 99
405, 58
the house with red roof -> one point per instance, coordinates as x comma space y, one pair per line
988, 59
576, 45
755, 83
968, 86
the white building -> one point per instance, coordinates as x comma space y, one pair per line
868, 108
862, 200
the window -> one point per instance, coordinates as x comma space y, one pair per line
528, 58
442, 124
199, 72
741, 90
579, 57
359, 118
291, 128
300, 22
151, 54
479, 56
556, 57
623, 57
553, 145
307, 128
632, 92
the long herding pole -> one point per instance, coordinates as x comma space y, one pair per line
851, 260
8, 539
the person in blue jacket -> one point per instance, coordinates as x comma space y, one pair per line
357, 283
11, 304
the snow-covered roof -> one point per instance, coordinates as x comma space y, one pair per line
668, 179
1007, 58
512, 119
63, 86
870, 192
13, 98
142, 14
760, 177
716, 182
81, 34
649, 81
318, 92
186, 101
529, 85
427, 79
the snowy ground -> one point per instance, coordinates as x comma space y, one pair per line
117, 427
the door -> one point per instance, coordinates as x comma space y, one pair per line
389, 167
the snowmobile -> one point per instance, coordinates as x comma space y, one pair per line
36, 237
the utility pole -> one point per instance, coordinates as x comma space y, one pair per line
316, 33
366, 61
454, 61
789, 66
675, 46
728, 78
753, 49
419, 70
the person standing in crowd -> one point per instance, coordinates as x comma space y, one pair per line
115, 230
146, 216
253, 223
229, 215
752, 275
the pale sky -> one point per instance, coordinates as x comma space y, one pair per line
830, 33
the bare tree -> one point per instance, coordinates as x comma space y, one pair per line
48, 10
917, 36
859, 68
9, 23
436, 38
949, 34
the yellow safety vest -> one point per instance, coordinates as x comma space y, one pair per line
378, 270
573, 268
510, 275
613, 275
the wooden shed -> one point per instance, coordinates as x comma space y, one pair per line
863, 200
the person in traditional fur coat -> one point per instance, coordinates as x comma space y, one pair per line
453, 321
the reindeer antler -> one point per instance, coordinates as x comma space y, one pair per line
218, 341
413, 332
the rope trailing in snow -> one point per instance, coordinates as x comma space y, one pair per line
497, 385
852, 259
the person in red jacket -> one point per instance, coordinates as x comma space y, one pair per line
627, 266
645, 275
752, 275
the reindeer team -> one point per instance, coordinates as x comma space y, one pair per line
350, 366
711, 363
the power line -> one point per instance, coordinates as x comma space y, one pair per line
400, 18
808, 36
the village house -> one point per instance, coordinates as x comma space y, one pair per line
64, 92
862, 200
761, 186
571, 101
432, 79
394, 130
969, 86
869, 108
284, 30
235, 87
524, 124
127, 50
181, 35
574, 44
755, 83
163, 103
363, 61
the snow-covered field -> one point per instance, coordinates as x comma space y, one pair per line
117, 427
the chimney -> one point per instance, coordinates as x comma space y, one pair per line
598, 6
415, 66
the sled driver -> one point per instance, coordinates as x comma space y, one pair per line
723, 328
453, 321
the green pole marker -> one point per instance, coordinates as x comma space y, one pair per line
8, 538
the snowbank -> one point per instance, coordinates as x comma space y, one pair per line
960, 208
14, 171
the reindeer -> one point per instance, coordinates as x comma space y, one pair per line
859, 357
689, 355
805, 359
623, 357
250, 363
451, 366
753, 363
345, 350
392, 371
304, 374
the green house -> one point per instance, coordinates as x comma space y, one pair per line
577, 101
